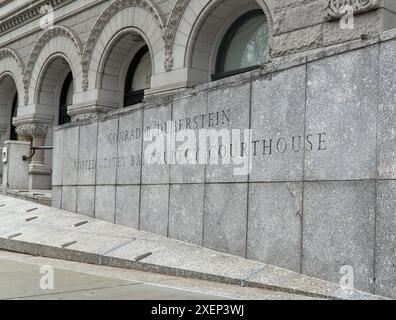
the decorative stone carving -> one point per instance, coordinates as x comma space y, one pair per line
6, 52
335, 8
100, 24
56, 31
32, 130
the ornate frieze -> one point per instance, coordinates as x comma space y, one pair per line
30, 12
336, 8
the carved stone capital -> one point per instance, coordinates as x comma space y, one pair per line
32, 130
336, 8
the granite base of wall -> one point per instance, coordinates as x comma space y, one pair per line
319, 195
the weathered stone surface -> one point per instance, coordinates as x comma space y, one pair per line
274, 224
86, 200
186, 212
57, 158
344, 113
338, 232
154, 209
278, 126
385, 264
107, 160
105, 203
70, 155
387, 112
225, 218
233, 105
15, 171
130, 147
157, 119
297, 40
69, 199
299, 16
56, 197
127, 206
185, 111
87, 154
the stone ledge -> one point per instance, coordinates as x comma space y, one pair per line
59, 234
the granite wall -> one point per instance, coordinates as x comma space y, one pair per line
320, 195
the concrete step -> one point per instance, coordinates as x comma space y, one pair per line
39, 230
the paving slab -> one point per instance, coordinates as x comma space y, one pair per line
104, 243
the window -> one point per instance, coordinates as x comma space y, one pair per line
138, 77
14, 111
66, 99
244, 47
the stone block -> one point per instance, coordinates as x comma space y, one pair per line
57, 158
338, 232
387, 112
274, 224
128, 206
107, 160
385, 264
187, 114
70, 155
157, 125
69, 199
225, 218
105, 203
87, 154
278, 115
130, 147
56, 197
186, 212
86, 200
228, 109
341, 117
154, 209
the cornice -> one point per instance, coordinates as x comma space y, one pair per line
28, 12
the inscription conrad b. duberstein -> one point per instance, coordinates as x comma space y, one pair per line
198, 140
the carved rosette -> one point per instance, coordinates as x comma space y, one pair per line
32, 130
335, 8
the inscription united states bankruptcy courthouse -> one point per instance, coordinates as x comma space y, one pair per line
176, 142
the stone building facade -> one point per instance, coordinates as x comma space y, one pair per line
314, 81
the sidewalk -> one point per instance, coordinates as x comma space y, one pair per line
35, 229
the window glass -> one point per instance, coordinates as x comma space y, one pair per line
138, 78
142, 76
245, 44
66, 99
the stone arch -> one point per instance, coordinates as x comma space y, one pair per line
11, 64
50, 82
115, 62
56, 41
11, 73
121, 15
186, 20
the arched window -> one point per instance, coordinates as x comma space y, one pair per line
66, 99
14, 111
244, 46
138, 77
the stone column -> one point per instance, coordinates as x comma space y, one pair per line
3, 132
39, 174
